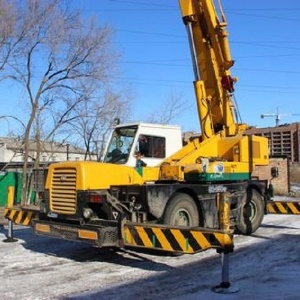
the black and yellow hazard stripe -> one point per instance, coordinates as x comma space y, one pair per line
283, 207
20, 216
183, 240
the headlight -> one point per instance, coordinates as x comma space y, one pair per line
87, 213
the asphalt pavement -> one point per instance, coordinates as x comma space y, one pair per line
3, 221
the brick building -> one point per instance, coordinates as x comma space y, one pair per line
283, 140
284, 150
281, 183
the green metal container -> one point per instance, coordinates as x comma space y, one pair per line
10, 179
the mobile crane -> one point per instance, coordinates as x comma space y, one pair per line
184, 188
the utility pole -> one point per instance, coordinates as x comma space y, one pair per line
68, 145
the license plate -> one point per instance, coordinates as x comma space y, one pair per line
52, 215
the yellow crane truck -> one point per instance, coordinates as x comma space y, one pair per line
181, 184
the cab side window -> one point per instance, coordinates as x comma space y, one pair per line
152, 146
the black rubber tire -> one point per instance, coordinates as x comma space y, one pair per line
181, 211
251, 212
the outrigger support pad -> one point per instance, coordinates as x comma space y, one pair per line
225, 287
10, 238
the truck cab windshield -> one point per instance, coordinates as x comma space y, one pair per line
120, 144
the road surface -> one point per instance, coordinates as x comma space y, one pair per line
265, 265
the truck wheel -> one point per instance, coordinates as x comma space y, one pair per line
182, 211
251, 213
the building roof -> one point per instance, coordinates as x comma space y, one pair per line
16, 144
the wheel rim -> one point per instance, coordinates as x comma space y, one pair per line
182, 218
250, 211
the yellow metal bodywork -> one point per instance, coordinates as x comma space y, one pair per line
238, 154
176, 239
283, 207
21, 215
96, 175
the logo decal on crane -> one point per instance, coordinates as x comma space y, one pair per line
219, 168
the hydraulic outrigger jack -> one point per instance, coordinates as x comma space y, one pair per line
9, 237
225, 287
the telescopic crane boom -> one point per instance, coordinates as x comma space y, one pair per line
222, 152
211, 58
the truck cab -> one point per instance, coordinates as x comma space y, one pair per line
153, 142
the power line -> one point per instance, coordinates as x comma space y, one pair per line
150, 33
143, 3
268, 70
263, 9
253, 88
263, 16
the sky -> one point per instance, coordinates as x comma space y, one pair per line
155, 59
264, 42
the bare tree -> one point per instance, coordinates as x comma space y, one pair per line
171, 108
96, 120
8, 37
60, 60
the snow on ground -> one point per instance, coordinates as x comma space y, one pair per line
265, 265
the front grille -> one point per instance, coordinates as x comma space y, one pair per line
110, 237
63, 191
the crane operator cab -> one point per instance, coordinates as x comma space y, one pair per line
152, 142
